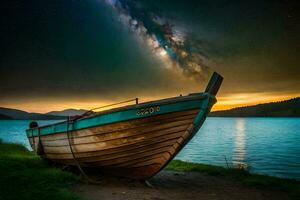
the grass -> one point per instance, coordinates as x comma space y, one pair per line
292, 187
23, 175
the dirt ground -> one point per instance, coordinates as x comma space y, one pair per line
174, 185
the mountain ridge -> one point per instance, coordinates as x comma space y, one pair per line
15, 114
67, 112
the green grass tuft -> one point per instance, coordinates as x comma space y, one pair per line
25, 176
292, 187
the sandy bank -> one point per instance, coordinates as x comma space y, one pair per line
175, 185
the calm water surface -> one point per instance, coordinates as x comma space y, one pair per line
266, 145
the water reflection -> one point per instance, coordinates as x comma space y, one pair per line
240, 143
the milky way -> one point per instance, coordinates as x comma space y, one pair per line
167, 41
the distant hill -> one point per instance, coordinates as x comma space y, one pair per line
9, 113
67, 112
288, 108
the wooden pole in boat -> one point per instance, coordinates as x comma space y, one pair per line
214, 84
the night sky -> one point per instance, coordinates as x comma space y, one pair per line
79, 54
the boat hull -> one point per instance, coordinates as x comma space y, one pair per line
136, 148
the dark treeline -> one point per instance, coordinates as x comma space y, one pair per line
288, 108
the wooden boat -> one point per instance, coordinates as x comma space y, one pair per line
134, 141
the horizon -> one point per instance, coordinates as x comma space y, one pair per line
213, 110
81, 55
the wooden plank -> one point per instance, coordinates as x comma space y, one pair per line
116, 151
149, 160
155, 159
132, 124
127, 154
138, 156
100, 155
106, 160
110, 144
96, 153
126, 159
116, 135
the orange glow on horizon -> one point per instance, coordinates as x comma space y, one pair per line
249, 99
224, 102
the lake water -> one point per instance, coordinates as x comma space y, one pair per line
266, 145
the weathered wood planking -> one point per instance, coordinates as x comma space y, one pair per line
136, 143
99, 142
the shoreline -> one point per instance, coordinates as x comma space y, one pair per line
21, 170
276, 117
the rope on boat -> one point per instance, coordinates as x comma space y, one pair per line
33, 140
71, 121
40, 148
114, 104
74, 158
97, 108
